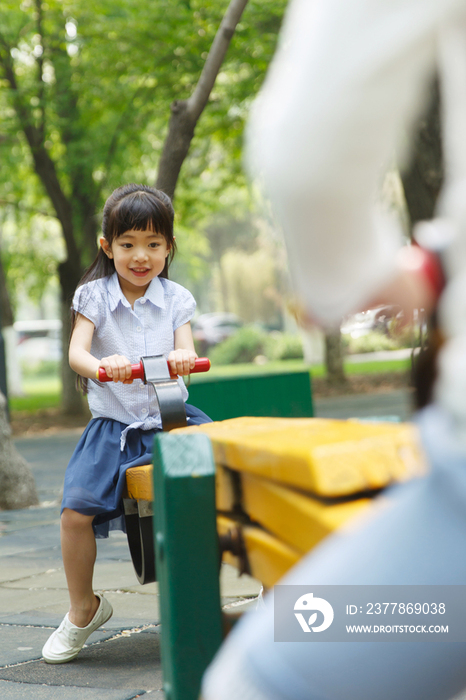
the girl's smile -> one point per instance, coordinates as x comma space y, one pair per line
139, 257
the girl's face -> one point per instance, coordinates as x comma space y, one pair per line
139, 257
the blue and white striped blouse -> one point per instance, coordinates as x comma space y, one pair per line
146, 330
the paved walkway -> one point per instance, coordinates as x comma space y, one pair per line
121, 660
394, 403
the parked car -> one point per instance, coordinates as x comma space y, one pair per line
378, 319
211, 329
38, 340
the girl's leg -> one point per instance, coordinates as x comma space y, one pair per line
79, 554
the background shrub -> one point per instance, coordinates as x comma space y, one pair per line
370, 342
243, 346
251, 341
284, 346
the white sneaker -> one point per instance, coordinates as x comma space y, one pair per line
68, 640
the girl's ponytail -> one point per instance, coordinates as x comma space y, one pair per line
103, 266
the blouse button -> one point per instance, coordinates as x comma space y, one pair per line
139, 329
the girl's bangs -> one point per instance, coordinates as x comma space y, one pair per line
140, 211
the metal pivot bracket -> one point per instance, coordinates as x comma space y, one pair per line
167, 390
140, 534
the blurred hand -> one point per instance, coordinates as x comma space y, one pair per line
413, 286
416, 284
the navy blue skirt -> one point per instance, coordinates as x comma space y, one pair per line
95, 476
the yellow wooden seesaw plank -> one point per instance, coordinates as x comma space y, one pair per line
295, 518
268, 558
139, 486
328, 457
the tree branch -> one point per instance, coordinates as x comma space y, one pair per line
214, 60
185, 113
40, 69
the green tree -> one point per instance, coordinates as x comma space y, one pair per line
87, 90
423, 175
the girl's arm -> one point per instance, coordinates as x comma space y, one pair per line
83, 363
182, 358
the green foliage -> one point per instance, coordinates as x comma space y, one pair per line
39, 393
370, 342
243, 346
44, 369
284, 346
35, 402
30, 253
408, 337
375, 341
251, 342
250, 283
123, 61
372, 367
95, 81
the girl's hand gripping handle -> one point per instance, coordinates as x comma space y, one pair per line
202, 364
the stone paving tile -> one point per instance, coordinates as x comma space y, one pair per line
23, 643
24, 540
394, 403
107, 576
13, 572
130, 661
23, 691
51, 620
11, 520
140, 609
121, 657
16, 600
233, 585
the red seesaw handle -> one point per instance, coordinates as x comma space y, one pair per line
202, 364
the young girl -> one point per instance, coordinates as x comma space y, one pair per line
124, 308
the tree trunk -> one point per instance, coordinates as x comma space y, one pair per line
6, 309
185, 113
176, 147
422, 182
17, 486
334, 357
12, 383
423, 177
46, 171
72, 401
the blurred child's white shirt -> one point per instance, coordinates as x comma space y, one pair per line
347, 84
338, 105
146, 330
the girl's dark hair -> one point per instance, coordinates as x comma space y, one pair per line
133, 207
130, 207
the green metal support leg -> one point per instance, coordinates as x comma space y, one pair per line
187, 557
